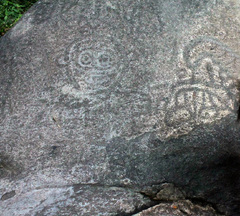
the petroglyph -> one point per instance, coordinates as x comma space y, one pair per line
202, 93
220, 62
91, 67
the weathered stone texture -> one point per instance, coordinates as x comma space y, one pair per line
118, 98
179, 208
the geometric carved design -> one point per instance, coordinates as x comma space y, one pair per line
196, 104
202, 93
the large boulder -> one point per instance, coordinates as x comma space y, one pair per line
112, 107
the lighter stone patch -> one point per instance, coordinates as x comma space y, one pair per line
21, 28
109, 4
70, 90
22, 205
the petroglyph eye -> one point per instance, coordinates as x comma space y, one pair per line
85, 59
104, 60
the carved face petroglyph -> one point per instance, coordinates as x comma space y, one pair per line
91, 67
201, 94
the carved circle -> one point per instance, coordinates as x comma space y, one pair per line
85, 59
92, 68
105, 60
93, 62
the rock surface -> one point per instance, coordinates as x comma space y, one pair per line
179, 208
103, 102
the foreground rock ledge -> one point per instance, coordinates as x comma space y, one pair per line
180, 208
121, 107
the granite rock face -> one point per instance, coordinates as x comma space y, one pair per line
112, 107
179, 208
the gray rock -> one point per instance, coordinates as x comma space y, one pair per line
103, 100
179, 208
166, 192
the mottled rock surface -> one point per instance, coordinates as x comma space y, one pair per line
180, 208
103, 103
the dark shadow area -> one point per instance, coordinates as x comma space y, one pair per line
219, 183
205, 163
